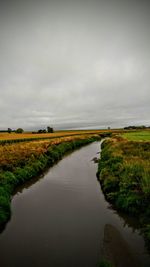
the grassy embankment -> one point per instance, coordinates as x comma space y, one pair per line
124, 174
20, 162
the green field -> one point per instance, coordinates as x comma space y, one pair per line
138, 135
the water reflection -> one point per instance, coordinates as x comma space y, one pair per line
116, 250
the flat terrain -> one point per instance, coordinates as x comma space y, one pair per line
138, 135
13, 136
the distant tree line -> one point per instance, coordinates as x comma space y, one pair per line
3, 131
142, 127
20, 130
9, 130
49, 130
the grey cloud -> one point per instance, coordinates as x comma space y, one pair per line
74, 63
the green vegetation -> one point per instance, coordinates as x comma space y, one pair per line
139, 127
105, 263
19, 130
124, 174
138, 135
50, 129
9, 180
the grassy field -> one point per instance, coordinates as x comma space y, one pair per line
28, 136
124, 174
138, 135
13, 136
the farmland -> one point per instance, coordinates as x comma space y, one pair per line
9, 138
28, 136
138, 135
12, 136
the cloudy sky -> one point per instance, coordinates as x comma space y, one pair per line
71, 64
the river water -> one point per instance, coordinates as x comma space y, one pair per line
63, 220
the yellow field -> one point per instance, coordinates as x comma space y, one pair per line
19, 153
4, 137
12, 136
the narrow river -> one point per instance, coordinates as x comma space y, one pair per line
63, 220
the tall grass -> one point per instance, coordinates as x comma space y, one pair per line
18, 154
124, 174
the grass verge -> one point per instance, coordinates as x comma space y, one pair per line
124, 174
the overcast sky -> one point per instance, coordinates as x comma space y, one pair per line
71, 64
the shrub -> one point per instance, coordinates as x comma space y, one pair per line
110, 184
19, 130
129, 203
